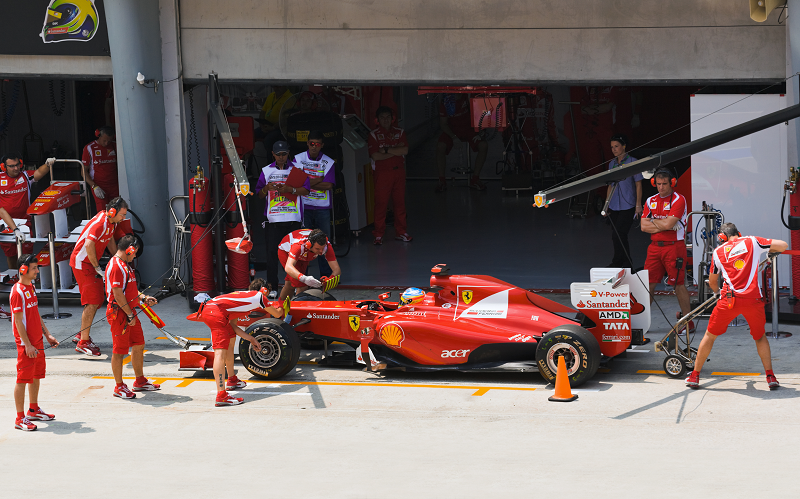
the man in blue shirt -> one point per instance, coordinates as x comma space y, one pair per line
625, 205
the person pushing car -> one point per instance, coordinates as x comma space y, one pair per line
295, 252
737, 260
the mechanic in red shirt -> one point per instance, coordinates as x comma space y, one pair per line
123, 295
455, 120
737, 260
664, 218
387, 148
15, 196
28, 331
296, 250
100, 167
85, 262
221, 314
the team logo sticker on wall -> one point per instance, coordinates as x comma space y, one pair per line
70, 21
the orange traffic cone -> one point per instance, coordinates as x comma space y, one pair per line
563, 392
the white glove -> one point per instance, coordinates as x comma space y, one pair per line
99, 192
100, 272
20, 236
310, 281
50, 162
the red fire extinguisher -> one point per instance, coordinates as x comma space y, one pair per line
200, 209
238, 263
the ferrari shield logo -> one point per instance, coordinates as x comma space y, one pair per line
539, 199
354, 322
245, 188
466, 295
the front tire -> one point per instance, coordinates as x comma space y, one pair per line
280, 349
580, 350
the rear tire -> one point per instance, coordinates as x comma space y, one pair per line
314, 295
580, 350
280, 349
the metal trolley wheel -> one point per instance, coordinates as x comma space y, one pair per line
674, 366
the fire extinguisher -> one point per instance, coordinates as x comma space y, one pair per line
238, 263
200, 209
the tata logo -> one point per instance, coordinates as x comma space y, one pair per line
454, 354
613, 315
466, 295
617, 325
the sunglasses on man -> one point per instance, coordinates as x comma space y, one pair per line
315, 144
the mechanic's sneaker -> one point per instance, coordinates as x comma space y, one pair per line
233, 383
378, 241
475, 183
123, 392
24, 424
693, 381
145, 386
39, 415
77, 338
441, 186
406, 238
772, 383
88, 348
223, 399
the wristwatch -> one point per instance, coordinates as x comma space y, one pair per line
294, 190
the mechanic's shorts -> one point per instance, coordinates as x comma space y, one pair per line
10, 249
123, 336
301, 267
29, 369
91, 286
751, 308
221, 331
661, 260
463, 136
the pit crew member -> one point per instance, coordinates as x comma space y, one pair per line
28, 331
15, 196
387, 148
317, 204
123, 295
664, 219
295, 252
625, 204
9, 222
283, 212
455, 120
85, 262
100, 167
737, 260
220, 314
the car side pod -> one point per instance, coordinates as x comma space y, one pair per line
563, 391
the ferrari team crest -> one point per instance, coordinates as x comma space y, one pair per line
466, 295
245, 189
539, 199
354, 322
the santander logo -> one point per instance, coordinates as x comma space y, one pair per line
581, 304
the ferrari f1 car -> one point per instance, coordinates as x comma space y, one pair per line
464, 322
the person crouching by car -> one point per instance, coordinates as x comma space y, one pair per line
296, 251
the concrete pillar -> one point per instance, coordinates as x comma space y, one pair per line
793, 66
135, 41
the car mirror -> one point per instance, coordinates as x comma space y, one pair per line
384, 296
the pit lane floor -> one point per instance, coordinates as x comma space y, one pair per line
324, 432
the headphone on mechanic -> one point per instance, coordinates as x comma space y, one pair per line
6, 158
316, 236
673, 180
25, 263
723, 238
112, 208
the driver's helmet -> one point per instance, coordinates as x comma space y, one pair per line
75, 20
411, 296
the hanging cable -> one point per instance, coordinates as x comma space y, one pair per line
58, 109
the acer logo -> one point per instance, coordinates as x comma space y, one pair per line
450, 354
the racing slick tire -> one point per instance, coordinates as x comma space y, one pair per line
580, 349
314, 295
280, 349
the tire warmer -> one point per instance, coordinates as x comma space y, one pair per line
238, 263
202, 241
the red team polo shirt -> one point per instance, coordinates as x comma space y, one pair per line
380, 138
15, 193
295, 245
102, 163
100, 230
24, 298
661, 208
738, 262
120, 275
239, 303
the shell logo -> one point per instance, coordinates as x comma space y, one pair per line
392, 335
738, 264
580, 304
594, 293
51, 193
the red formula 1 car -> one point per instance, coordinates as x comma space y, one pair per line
464, 322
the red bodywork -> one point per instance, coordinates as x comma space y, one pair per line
59, 195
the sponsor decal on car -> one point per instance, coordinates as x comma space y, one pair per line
454, 354
617, 325
523, 338
413, 314
392, 335
354, 321
494, 306
614, 314
613, 338
466, 295
322, 316
534, 317
446, 305
603, 304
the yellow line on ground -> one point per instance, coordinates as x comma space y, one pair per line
128, 359
190, 339
722, 373
479, 390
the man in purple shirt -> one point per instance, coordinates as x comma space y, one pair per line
625, 204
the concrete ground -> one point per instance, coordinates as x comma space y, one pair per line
323, 432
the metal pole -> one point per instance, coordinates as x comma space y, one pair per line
775, 333
56, 314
